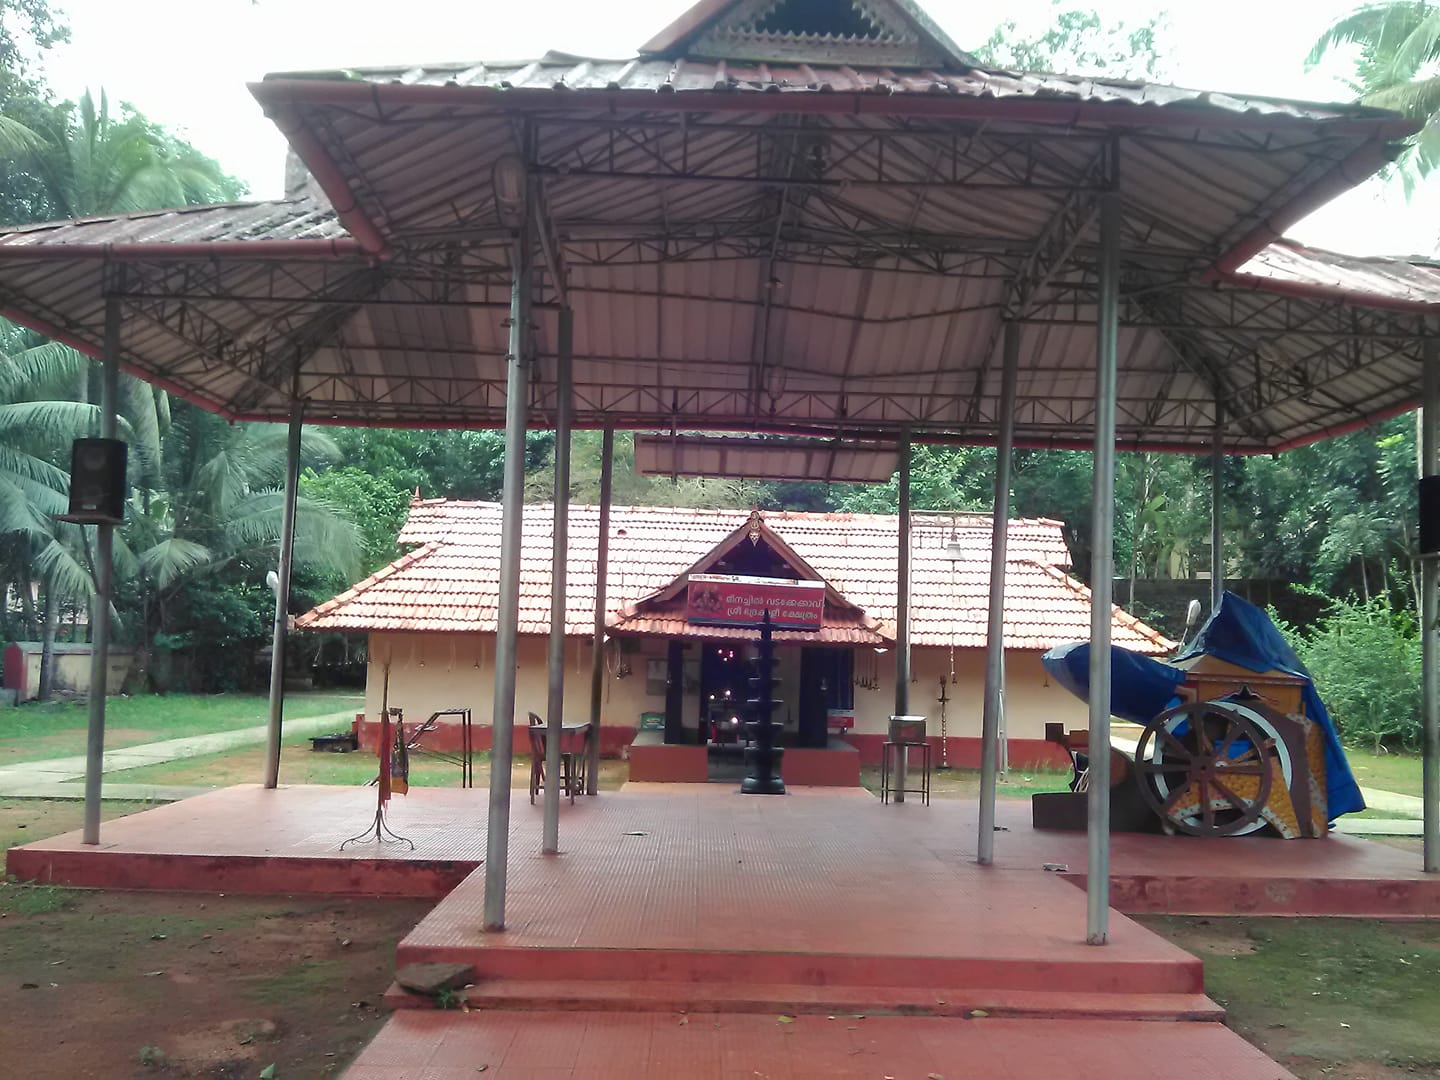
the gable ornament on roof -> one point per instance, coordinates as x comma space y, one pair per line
755, 526
884, 33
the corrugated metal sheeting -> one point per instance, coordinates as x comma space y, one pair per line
563, 71
1407, 284
809, 247
822, 460
449, 582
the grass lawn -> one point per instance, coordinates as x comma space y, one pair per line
34, 732
1389, 772
300, 765
965, 783
1326, 997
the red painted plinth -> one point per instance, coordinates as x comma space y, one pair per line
240, 874
965, 753
659, 764
249, 840
806, 767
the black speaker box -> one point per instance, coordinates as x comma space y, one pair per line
1430, 515
97, 482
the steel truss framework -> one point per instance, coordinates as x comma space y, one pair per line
810, 272
253, 334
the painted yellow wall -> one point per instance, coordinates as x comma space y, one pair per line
430, 671
72, 673
1032, 698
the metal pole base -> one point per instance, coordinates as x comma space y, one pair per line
380, 833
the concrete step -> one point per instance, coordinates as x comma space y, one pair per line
793, 999
749, 969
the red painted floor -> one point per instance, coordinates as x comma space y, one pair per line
449, 1046
246, 839
1184, 875
739, 909
698, 884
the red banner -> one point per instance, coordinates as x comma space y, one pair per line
731, 600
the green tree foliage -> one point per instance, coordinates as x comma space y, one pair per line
453, 464
1338, 515
27, 29
375, 504
1077, 41
1365, 660
102, 163
941, 478
631, 488
211, 530
1396, 44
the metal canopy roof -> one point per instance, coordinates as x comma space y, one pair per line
807, 247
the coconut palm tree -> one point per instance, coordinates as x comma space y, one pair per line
101, 163
94, 163
1398, 67
220, 507
35, 427
17, 140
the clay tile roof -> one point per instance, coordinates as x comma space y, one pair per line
449, 582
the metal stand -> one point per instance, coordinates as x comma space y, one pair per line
465, 758
892, 779
379, 830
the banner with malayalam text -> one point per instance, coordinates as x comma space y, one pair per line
734, 600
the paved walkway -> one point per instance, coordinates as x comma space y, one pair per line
56, 778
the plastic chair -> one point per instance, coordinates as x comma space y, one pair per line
568, 780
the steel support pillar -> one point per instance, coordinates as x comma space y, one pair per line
559, 562
507, 620
100, 601
282, 598
602, 569
1217, 507
1429, 617
995, 630
1102, 575
902, 610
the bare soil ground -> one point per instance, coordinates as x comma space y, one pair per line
160, 984
115, 984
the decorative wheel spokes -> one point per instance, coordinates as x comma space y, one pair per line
1207, 768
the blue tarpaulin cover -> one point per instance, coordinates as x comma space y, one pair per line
1140, 688
1237, 632
1242, 634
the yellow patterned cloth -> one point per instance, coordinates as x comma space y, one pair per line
1279, 810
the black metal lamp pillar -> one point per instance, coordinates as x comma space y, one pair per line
762, 755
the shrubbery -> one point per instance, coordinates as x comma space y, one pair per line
1365, 660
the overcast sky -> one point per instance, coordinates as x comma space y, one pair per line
185, 63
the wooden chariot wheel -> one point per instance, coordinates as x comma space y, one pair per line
1207, 767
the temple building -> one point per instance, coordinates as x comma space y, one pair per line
673, 672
